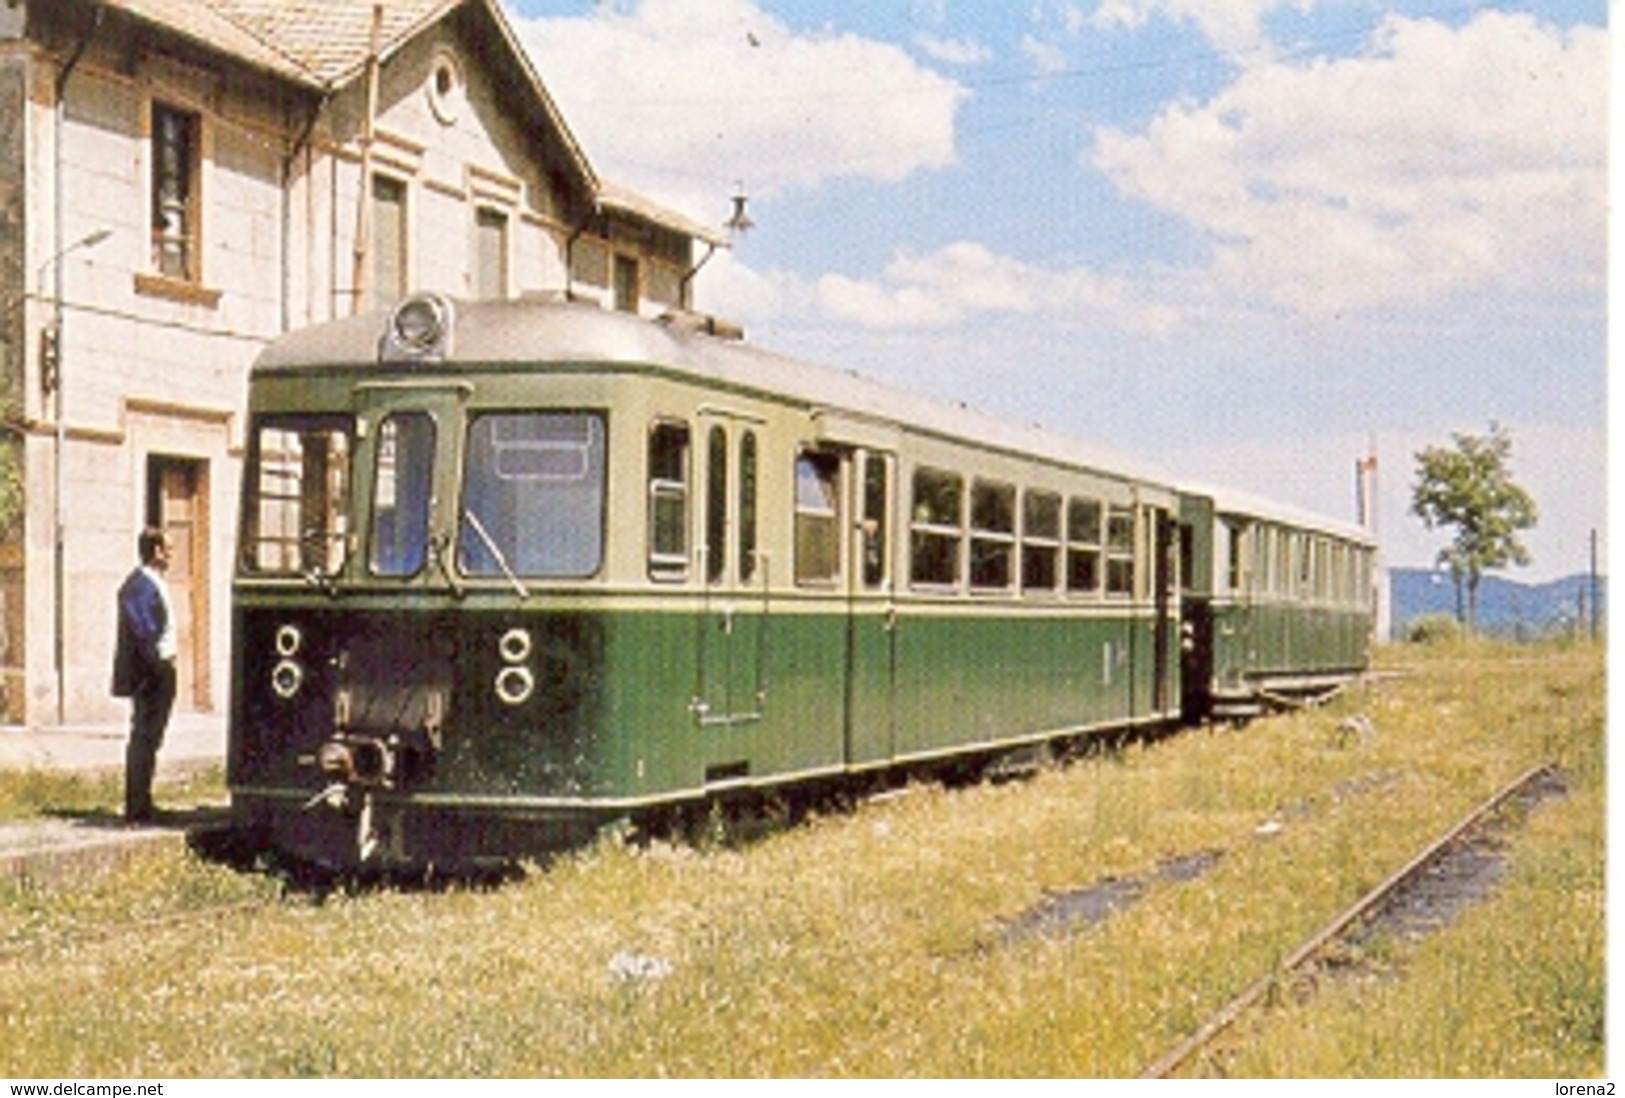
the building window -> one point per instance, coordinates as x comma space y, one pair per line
626, 284
388, 240
175, 172
490, 254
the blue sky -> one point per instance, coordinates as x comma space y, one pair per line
1246, 239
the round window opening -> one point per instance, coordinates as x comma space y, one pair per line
445, 88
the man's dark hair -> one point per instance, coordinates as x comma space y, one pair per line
147, 544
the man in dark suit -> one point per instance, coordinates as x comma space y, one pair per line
144, 668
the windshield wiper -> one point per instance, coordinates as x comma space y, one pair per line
496, 553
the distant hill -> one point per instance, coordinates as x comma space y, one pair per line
1505, 607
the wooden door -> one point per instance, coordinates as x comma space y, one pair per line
178, 504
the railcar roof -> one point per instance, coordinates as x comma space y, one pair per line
554, 331
1231, 501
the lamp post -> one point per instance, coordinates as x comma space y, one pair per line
51, 383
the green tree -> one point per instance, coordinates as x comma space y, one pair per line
1470, 488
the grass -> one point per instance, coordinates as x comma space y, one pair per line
876, 942
34, 792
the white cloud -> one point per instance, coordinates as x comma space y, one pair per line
725, 92
1444, 161
1232, 26
954, 51
965, 279
1046, 57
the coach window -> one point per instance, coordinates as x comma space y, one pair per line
937, 528
874, 520
993, 536
1040, 542
716, 504
668, 501
1232, 540
1083, 529
401, 487
818, 544
747, 507
1120, 551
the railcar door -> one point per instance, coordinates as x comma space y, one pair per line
872, 619
731, 694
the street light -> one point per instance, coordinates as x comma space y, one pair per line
51, 383
51, 335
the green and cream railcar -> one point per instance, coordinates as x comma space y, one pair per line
511, 570
1279, 605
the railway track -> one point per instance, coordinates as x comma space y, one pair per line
1385, 897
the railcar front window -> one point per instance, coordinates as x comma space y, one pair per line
296, 514
401, 488
533, 496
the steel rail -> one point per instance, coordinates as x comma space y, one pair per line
1362, 907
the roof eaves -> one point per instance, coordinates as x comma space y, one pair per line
493, 10
203, 25
618, 199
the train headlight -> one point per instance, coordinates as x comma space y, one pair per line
515, 645
286, 679
289, 640
419, 329
515, 685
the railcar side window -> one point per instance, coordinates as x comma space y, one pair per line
1040, 542
297, 514
533, 495
993, 536
747, 507
716, 504
1120, 551
668, 501
401, 487
874, 521
1234, 541
1083, 529
818, 544
937, 528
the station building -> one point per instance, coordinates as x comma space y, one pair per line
183, 180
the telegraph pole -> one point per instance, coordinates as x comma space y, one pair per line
1595, 586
